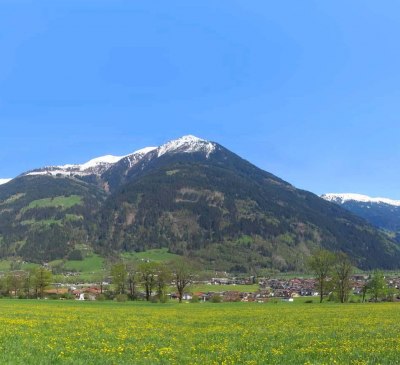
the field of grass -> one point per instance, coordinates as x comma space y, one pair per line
5, 265
157, 255
70, 332
63, 202
90, 264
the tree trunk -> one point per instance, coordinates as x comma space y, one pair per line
321, 289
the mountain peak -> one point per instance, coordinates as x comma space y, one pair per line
345, 197
187, 144
191, 137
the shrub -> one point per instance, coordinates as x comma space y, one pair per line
121, 298
67, 296
332, 297
216, 298
195, 299
101, 297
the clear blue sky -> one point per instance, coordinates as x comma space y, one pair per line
308, 90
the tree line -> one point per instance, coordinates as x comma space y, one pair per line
26, 284
126, 278
150, 280
153, 277
333, 273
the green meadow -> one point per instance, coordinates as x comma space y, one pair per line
71, 332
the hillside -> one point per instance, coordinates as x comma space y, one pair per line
191, 196
42, 217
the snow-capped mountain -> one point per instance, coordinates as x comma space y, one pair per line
381, 212
190, 195
96, 166
130, 167
99, 165
346, 197
4, 181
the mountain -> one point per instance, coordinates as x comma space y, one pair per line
190, 195
383, 213
201, 200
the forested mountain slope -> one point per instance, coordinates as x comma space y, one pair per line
190, 195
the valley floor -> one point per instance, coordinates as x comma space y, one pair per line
71, 332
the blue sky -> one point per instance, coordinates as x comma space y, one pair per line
308, 90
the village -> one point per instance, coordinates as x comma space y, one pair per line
227, 289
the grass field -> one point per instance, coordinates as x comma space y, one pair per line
63, 202
157, 255
91, 263
70, 332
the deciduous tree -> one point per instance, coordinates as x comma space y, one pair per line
148, 272
342, 271
377, 285
42, 279
163, 280
132, 278
182, 276
118, 275
14, 282
321, 264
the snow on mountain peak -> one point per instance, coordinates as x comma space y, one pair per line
343, 198
4, 181
98, 165
110, 159
103, 160
187, 144
144, 151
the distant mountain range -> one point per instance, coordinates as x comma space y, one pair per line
383, 213
190, 195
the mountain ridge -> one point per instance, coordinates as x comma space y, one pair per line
345, 197
98, 165
382, 213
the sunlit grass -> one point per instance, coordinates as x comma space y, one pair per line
63, 202
51, 332
157, 255
91, 263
